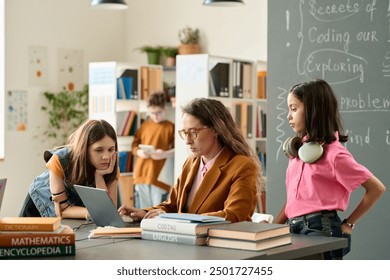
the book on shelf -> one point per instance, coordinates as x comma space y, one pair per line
174, 237
32, 238
249, 245
151, 78
128, 123
261, 84
30, 223
130, 83
237, 79
37, 251
178, 225
125, 159
220, 79
247, 80
124, 88
249, 231
115, 232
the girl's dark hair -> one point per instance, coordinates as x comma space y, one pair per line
213, 113
322, 116
80, 170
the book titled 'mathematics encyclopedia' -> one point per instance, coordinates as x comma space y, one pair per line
37, 251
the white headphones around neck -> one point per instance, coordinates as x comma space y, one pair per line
309, 152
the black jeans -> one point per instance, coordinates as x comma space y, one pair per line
324, 223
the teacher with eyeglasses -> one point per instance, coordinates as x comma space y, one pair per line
221, 177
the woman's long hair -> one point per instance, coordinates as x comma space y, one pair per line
80, 170
213, 113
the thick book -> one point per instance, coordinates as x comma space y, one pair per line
65, 237
174, 237
249, 245
37, 251
249, 231
30, 223
177, 226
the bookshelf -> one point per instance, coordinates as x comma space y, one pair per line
117, 93
232, 81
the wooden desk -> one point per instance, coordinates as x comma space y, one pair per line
302, 247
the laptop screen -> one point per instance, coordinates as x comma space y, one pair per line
2, 189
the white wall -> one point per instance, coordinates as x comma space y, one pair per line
54, 24
226, 31
106, 35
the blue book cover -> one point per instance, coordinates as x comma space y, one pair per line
128, 84
122, 161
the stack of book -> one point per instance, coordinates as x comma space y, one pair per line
249, 236
26, 237
179, 228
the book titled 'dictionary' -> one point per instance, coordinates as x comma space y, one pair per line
30, 223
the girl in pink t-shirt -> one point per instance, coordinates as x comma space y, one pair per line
322, 174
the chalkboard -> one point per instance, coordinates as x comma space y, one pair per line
346, 43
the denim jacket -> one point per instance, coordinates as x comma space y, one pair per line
40, 188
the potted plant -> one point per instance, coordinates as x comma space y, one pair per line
153, 53
66, 110
170, 55
189, 39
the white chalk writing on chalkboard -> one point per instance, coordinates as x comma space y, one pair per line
281, 117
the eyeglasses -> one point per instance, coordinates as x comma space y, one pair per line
191, 133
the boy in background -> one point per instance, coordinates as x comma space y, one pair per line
158, 132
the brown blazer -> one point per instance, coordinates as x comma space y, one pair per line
228, 189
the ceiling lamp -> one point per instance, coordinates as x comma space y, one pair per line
109, 4
223, 2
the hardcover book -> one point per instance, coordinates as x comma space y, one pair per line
249, 231
174, 237
249, 245
28, 238
177, 226
30, 223
37, 251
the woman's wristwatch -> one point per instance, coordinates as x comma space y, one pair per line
345, 221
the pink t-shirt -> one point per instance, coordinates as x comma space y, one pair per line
326, 184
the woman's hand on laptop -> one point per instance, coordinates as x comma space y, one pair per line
134, 213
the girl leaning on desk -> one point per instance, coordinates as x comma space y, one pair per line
322, 174
221, 177
89, 159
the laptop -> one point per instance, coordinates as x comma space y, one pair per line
3, 182
101, 208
